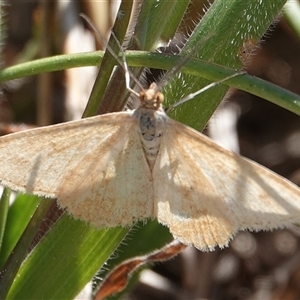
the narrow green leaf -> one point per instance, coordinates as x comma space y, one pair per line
20, 251
158, 22
224, 28
19, 214
4, 205
291, 13
65, 260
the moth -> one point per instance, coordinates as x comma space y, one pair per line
118, 168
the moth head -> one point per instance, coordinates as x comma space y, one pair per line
151, 98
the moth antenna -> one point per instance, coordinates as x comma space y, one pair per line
128, 74
209, 86
122, 62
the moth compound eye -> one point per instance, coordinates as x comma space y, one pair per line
160, 98
142, 95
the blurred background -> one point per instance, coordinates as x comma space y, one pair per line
264, 265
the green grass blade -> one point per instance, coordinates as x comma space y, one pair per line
65, 260
20, 251
158, 22
227, 24
18, 217
4, 205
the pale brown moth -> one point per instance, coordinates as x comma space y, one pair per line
118, 168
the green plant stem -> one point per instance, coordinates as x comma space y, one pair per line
195, 67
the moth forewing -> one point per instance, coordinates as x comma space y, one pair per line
63, 161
